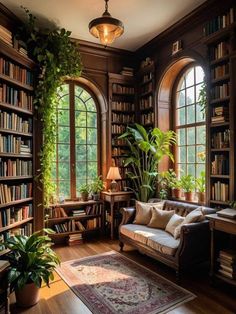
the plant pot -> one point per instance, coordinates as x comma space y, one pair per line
189, 196
84, 196
96, 197
176, 193
201, 197
28, 295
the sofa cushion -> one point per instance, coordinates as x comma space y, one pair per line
138, 233
163, 242
160, 218
143, 212
194, 216
174, 222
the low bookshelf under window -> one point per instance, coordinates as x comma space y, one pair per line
75, 221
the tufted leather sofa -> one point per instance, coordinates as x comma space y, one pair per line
191, 248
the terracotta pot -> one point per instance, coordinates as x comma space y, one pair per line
189, 196
201, 197
176, 193
84, 196
28, 295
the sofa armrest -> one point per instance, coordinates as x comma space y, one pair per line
194, 243
128, 214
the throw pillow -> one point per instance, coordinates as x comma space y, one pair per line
195, 215
160, 218
174, 222
143, 212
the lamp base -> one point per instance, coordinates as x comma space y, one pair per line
114, 186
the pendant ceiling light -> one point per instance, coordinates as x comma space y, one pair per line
106, 27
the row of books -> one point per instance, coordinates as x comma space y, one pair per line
122, 89
59, 212
10, 193
147, 77
15, 145
227, 263
11, 215
25, 229
220, 91
117, 151
219, 22
220, 165
146, 103
118, 129
219, 51
6, 35
220, 110
220, 191
117, 141
220, 139
122, 106
147, 118
16, 72
12, 121
75, 225
124, 171
75, 239
127, 71
15, 97
122, 118
14, 168
220, 71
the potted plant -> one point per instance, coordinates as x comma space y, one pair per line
173, 183
146, 150
84, 190
96, 187
187, 183
32, 261
201, 187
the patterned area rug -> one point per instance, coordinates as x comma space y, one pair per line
112, 283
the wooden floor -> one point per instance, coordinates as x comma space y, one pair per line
59, 299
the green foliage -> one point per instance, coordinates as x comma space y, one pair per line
146, 150
201, 182
31, 259
97, 185
85, 188
57, 57
187, 183
170, 179
203, 97
232, 204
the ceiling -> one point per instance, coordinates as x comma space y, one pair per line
143, 19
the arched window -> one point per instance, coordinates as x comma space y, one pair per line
190, 123
76, 150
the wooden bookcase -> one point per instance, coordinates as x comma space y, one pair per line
121, 113
16, 143
70, 218
221, 113
146, 98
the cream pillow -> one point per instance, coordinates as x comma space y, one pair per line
160, 218
144, 213
195, 215
174, 222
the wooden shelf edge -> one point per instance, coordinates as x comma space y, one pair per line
15, 178
51, 220
16, 132
8, 155
16, 224
15, 108
25, 200
15, 82
217, 35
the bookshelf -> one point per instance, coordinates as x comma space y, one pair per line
121, 114
74, 221
146, 98
16, 140
219, 38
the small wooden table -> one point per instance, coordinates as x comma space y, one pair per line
227, 226
115, 197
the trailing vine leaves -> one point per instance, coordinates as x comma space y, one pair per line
203, 97
57, 57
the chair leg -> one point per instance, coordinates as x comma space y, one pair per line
121, 244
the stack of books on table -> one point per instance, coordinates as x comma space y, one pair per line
78, 212
227, 260
6, 35
75, 239
127, 71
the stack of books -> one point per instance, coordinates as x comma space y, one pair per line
220, 114
6, 35
78, 212
227, 260
75, 239
127, 71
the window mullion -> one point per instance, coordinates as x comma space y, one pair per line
72, 143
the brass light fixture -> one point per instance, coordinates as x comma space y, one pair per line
106, 27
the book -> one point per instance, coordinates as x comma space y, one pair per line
4, 265
227, 213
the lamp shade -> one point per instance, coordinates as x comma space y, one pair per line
113, 174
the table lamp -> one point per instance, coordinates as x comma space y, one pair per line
113, 174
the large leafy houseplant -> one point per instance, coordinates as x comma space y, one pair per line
57, 57
31, 261
146, 150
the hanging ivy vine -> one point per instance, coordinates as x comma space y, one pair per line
57, 57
